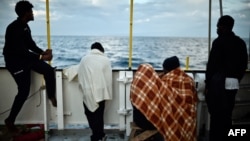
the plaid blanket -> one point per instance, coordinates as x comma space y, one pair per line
168, 102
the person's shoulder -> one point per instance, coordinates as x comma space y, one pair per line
217, 39
105, 59
216, 43
239, 40
13, 24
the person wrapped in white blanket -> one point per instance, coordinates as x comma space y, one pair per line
95, 79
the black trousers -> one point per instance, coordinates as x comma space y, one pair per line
22, 77
221, 116
141, 121
96, 121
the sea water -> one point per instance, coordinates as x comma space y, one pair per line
68, 50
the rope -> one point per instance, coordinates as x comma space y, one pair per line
33, 94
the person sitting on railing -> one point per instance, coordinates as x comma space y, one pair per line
167, 101
22, 55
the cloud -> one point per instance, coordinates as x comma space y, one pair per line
142, 20
39, 13
111, 17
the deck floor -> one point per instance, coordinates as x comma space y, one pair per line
63, 135
77, 135
83, 135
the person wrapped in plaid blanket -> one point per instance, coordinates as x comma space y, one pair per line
167, 100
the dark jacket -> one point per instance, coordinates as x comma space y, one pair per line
228, 56
19, 49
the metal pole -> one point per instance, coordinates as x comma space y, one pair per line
221, 8
46, 122
45, 114
48, 25
131, 34
209, 26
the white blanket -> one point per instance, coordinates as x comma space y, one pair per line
95, 79
71, 72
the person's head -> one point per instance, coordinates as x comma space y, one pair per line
225, 24
24, 10
98, 46
170, 64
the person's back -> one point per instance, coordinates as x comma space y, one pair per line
233, 55
101, 62
229, 53
95, 79
183, 101
166, 100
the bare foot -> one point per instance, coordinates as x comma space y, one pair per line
53, 101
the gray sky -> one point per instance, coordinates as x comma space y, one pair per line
185, 18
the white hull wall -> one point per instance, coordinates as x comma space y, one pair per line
72, 105
33, 107
70, 109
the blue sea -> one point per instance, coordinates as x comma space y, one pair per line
68, 50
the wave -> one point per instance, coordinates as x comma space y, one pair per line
68, 50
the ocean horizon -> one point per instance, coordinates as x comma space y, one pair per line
68, 50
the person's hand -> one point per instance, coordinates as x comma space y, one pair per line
47, 55
47, 52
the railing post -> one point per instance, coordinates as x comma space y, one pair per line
59, 95
45, 112
125, 108
129, 108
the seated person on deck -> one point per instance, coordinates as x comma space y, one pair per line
167, 101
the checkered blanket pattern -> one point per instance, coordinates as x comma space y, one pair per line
169, 102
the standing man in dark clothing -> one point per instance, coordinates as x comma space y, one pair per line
226, 66
22, 55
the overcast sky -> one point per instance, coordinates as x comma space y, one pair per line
185, 18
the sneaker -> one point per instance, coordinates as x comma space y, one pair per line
11, 127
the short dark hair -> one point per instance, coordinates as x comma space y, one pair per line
226, 21
22, 7
98, 46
